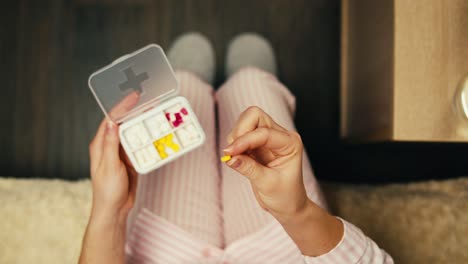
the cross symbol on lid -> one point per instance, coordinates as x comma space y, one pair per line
133, 81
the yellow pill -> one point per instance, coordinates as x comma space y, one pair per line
160, 147
226, 158
173, 146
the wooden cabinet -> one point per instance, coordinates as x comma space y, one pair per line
402, 61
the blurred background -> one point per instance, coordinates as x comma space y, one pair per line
49, 48
357, 67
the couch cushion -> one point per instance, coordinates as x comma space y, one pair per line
43, 221
423, 222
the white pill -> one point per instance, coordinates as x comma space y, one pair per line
157, 125
153, 127
188, 135
165, 127
142, 133
192, 130
161, 118
147, 156
184, 136
151, 153
133, 140
134, 137
140, 159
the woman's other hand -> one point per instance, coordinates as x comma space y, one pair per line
271, 158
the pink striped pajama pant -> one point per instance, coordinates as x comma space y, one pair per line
196, 210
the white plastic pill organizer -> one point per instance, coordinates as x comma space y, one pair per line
161, 135
139, 92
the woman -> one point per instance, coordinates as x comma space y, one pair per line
263, 206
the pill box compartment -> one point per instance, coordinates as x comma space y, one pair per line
139, 92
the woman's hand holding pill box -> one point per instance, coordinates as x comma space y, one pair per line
138, 92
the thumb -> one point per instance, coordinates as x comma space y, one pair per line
250, 168
110, 152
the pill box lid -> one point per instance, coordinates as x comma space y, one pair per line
134, 83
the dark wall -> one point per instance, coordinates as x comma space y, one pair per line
48, 49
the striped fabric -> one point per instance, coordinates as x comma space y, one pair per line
196, 211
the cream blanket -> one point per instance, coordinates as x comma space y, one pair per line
42, 221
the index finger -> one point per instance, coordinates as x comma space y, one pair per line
252, 118
278, 142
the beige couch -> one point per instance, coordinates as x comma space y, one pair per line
42, 221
